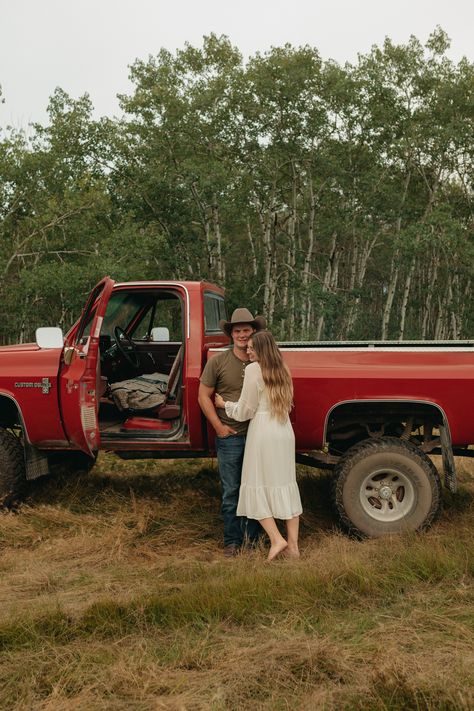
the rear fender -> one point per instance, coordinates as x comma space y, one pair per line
358, 411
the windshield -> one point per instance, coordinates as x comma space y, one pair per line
122, 309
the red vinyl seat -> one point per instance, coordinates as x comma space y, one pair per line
170, 409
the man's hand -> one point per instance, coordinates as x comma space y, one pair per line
207, 406
224, 431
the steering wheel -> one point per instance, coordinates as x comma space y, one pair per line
126, 347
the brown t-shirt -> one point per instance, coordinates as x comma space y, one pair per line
225, 373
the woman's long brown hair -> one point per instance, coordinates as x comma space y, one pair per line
276, 375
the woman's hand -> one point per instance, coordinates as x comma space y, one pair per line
219, 401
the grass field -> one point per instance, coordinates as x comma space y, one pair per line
115, 595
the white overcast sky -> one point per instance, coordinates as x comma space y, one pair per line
87, 45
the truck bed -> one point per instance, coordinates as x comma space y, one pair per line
383, 345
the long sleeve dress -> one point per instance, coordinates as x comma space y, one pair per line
268, 487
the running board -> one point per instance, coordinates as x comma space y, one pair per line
319, 460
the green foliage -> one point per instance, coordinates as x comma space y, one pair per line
337, 200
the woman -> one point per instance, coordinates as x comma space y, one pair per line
269, 489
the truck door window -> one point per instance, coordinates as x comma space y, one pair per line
166, 313
214, 311
123, 308
83, 331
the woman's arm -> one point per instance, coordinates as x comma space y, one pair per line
247, 405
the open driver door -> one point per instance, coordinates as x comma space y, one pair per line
80, 373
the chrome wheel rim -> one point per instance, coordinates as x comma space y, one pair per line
387, 495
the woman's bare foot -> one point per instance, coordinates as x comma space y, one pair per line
292, 551
276, 549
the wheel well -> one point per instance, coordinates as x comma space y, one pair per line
375, 483
351, 422
10, 415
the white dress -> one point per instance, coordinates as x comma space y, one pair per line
268, 487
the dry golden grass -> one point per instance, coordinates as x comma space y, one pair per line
115, 595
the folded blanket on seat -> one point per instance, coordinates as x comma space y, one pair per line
141, 393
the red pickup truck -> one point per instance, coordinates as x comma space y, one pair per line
372, 412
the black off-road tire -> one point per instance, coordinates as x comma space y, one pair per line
12, 469
369, 471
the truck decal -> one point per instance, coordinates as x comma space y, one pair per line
45, 384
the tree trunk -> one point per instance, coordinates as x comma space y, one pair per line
431, 281
252, 249
292, 222
273, 275
406, 292
268, 222
329, 279
306, 296
392, 288
360, 260
395, 263
218, 240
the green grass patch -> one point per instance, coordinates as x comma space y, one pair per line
251, 594
116, 596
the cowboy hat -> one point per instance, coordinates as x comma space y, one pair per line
242, 316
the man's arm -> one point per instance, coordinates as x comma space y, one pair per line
207, 406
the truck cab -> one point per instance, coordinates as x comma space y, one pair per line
130, 369
124, 378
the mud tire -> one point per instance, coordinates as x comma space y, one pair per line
12, 469
361, 508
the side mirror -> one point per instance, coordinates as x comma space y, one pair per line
49, 337
160, 333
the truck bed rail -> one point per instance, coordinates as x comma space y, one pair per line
383, 345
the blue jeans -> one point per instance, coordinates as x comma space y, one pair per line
230, 456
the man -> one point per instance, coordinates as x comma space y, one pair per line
225, 375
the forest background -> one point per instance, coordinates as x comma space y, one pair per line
336, 200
